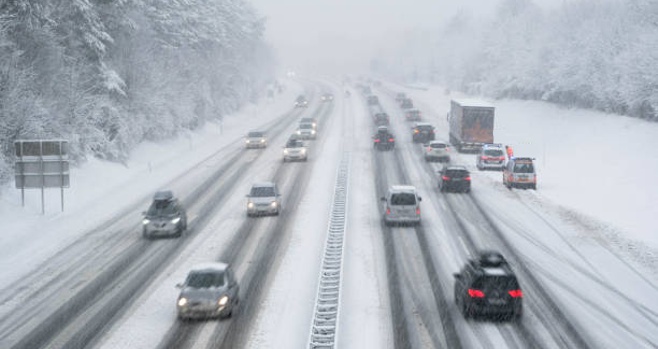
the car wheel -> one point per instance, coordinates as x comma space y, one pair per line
534, 187
146, 235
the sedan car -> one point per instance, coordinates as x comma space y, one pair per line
486, 285
306, 131
327, 97
263, 199
165, 217
209, 291
455, 178
255, 139
412, 115
295, 150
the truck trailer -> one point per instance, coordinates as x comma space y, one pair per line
471, 124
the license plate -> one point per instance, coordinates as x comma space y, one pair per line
497, 301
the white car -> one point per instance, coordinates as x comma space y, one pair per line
491, 156
263, 199
306, 131
295, 150
437, 151
255, 139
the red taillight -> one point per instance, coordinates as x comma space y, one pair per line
388, 211
445, 178
391, 140
417, 210
416, 131
475, 293
501, 158
429, 148
516, 293
467, 178
377, 140
483, 157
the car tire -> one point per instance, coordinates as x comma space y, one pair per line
146, 235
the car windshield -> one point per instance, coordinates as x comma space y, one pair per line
403, 199
524, 168
493, 152
262, 192
205, 279
294, 144
255, 134
305, 126
161, 208
424, 128
502, 282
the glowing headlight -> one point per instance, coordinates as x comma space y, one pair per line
285, 152
175, 220
312, 132
182, 302
299, 132
250, 205
303, 151
246, 141
262, 141
222, 301
273, 204
146, 221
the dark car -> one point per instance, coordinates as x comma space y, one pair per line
412, 115
400, 96
209, 291
381, 119
487, 285
301, 102
423, 133
166, 216
455, 178
407, 103
383, 139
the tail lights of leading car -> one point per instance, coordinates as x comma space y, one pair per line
468, 178
475, 293
391, 140
445, 178
516, 293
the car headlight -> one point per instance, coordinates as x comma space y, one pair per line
262, 141
303, 151
273, 204
175, 220
250, 205
312, 132
223, 301
246, 141
182, 302
146, 221
299, 132
285, 151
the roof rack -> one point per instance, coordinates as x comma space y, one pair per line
163, 195
490, 258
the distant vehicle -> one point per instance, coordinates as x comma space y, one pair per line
383, 139
209, 291
455, 178
263, 199
423, 132
488, 286
471, 124
373, 100
401, 205
166, 216
301, 102
327, 97
295, 150
306, 130
255, 139
520, 173
309, 120
400, 96
347, 93
437, 151
412, 115
381, 119
491, 156
407, 103
366, 90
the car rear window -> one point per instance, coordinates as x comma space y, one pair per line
493, 152
403, 199
424, 128
162, 207
205, 279
438, 145
524, 168
262, 191
457, 173
505, 282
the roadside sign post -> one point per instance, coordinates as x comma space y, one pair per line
42, 164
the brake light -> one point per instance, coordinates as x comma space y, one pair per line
501, 158
391, 140
445, 178
475, 293
483, 157
516, 293
467, 178
417, 210
416, 131
377, 140
388, 210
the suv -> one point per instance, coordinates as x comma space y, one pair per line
263, 198
491, 156
423, 132
437, 151
255, 139
487, 285
412, 115
400, 96
165, 216
520, 172
306, 130
455, 178
373, 100
309, 120
210, 290
383, 139
381, 119
301, 102
401, 205
295, 149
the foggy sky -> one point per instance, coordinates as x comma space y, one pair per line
336, 36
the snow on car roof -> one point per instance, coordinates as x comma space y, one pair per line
263, 184
473, 102
210, 266
399, 188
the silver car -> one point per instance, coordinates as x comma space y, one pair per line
255, 139
295, 150
306, 131
165, 217
437, 151
401, 205
209, 291
263, 199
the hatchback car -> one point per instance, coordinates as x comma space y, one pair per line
166, 216
455, 178
401, 205
491, 156
301, 102
520, 173
383, 139
423, 132
487, 285
381, 119
412, 115
437, 151
373, 100
309, 120
400, 96
255, 139
209, 291
306, 131
263, 199
327, 97
407, 103
295, 150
